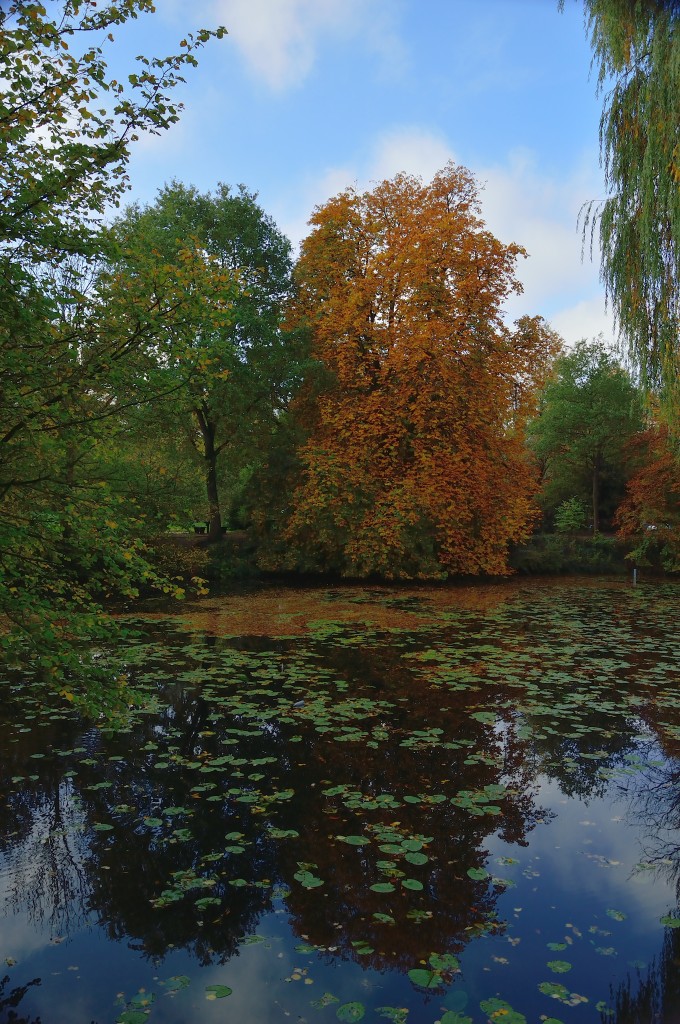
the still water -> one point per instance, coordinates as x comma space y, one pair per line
455, 805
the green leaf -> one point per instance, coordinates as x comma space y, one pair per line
350, 1011
382, 887
559, 966
424, 978
217, 991
499, 1010
416, 858
412, 883
478, 874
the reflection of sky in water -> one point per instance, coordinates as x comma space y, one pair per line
579, 861
577, 866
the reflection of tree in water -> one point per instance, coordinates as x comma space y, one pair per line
655, 997
130, 864
43, 843
301, 711
10, 999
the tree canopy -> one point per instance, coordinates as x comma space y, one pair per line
636, 47
589, 408
415, 463
232, 379
67, 330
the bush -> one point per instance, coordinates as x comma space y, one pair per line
556, 554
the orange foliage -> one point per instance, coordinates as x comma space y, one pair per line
650, 512
415, 464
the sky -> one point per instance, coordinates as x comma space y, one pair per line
303, 98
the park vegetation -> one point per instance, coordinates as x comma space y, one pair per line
364, 411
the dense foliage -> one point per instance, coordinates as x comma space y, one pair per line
415, 463
66, 342
231, 382
590, 407
636, 46
363, 413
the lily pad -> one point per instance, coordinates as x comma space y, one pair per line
217, 991
350, 1011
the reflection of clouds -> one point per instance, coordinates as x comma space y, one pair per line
588, 853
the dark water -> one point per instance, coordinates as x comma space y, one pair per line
452, 805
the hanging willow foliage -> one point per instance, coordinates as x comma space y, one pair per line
636, 48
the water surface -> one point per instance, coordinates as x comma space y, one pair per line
453, 805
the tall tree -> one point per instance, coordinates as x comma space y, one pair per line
589, 408
649, 515
636, 46
66, 126
234, 378
415, 462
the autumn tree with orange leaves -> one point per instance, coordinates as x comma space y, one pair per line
649, 515
415, 463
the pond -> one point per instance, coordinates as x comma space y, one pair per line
410, 805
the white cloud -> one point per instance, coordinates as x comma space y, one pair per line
409, 150
280, 39
586, 319
520, 203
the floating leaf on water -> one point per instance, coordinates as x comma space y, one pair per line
477, 873
424, 978
416, 858
353, 840
670, 921
217, 991
101, 826
384, 918
443, 962
361, 948
382, 887
326, 999
397, 1014
554, 989
559, 966
616, 915
453, 1017
499, 1010
142, 999
350, 1011
307, 879
132, 1017
177, 982
412, 883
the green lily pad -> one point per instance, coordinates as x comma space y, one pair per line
217, 991
559, 966
499, 1010
425, 979
350, 1011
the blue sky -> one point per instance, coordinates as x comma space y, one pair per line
305, 97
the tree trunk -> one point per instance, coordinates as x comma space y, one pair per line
210, 457
214, 514
596, 495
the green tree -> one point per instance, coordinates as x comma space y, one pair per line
68, 333
636, 47
590, 407
233, 380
